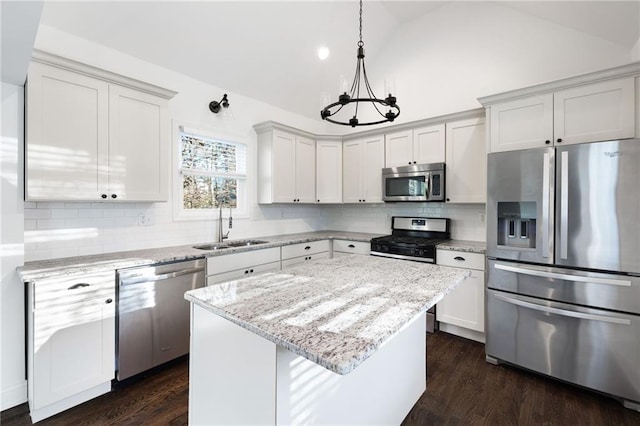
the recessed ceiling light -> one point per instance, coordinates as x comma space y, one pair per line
323, 53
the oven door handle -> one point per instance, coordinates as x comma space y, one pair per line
566, 277
562, 312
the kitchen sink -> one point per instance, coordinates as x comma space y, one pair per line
244, 243
213, 246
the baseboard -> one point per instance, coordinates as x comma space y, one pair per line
462, 332
15, 395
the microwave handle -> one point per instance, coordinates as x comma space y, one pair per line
428, 189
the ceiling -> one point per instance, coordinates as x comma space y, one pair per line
267, 49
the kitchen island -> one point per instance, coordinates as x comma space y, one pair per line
335, 341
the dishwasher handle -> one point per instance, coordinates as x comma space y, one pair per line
137, 279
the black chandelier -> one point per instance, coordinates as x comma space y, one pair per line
353, 97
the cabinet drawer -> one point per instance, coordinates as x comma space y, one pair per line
460, 259
304, 249
298, 260
232, 262
355, 247
242, 273
60, 292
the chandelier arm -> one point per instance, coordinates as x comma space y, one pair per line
370, 91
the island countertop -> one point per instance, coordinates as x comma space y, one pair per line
335, 312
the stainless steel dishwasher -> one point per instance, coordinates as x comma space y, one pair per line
152, 325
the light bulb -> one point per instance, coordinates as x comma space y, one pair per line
323, 53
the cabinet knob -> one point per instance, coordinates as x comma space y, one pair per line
414, 162
364, 201
114, 196
409, 162
547, 141
307, 248
448, 199
104, 196
246, 272
351, 246
459, 258
559, 140
251, 271
108, 300
318, 201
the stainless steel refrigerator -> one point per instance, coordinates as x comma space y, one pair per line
563, 249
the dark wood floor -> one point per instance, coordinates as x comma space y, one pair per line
461, 389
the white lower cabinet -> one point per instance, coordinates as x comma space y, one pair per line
70, 341
346, 247
240, 265
295, 254
461, 312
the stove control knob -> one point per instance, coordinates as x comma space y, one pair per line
420, 252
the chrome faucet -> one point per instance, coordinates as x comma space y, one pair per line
221, 235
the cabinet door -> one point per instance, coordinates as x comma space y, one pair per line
372, 165
466, 174
138, 167
305, 170
73, 347
398, 149
284, 167
67, 135
596, 112
352, 172
328, 172
464, 306
428, 144
521, 124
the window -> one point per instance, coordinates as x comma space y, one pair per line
213, 172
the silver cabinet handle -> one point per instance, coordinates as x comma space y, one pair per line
562, 312
566, 277
564, 204
148, 278
545, 204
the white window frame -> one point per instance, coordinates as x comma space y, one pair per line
179, 212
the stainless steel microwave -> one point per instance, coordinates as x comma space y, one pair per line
420, 182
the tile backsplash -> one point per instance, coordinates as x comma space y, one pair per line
64, 229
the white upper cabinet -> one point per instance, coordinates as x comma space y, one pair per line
363, 161
429, 144
521, 124
466, 173
423, 145
398, 148
90, 139
329, 171
598, 111
138, 145
286, 167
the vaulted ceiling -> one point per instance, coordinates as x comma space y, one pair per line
267, 49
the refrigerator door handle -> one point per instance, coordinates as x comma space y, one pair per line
564, 204
566, 277
562, 312
545, 205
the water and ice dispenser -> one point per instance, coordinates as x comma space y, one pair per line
517, 224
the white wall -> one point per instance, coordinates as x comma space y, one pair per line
467, 220
443, 61
635, 52
12, 363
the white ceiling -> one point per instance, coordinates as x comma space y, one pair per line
267, 49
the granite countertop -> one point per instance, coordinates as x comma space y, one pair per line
33, 271
464, 245
334, 312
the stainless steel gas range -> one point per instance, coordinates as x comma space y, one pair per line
414, 238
